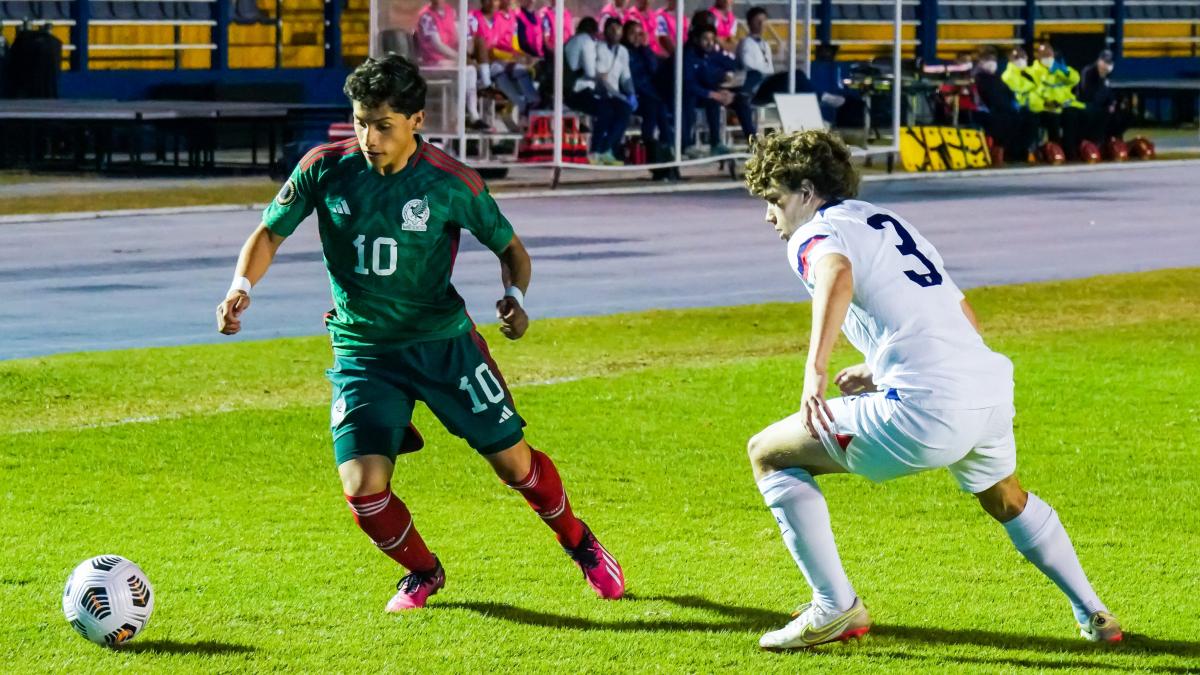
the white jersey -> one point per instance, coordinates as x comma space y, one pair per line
905, 315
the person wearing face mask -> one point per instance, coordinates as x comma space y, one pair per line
1020, 80
1106, 118
1062, 116
1012, 127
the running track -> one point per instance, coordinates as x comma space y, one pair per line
154, 280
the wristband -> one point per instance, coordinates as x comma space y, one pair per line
515, 293
240, 284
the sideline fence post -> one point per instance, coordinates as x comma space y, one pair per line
460, 112
556, 128
679, 47
792, 46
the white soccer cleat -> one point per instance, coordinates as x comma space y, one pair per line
1101, 627
814, 626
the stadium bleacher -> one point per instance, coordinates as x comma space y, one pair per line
151, 46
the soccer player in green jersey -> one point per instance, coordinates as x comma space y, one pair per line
391, 209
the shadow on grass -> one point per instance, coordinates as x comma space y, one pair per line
1132, 644
1004, 663
208, 647
753, 619
735, 617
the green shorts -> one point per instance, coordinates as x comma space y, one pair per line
374, 394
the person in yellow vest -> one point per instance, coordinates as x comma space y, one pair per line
1020, 80
1061, 116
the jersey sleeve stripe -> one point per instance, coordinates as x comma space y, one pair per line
448, 163
805, 249
441, 160
326, 149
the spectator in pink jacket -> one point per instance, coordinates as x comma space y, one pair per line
725, 22
615, 9
546, 20
663, 36
437, 45
501, 65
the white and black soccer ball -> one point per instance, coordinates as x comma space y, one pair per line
108, 600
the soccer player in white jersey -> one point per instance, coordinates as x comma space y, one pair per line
930, 394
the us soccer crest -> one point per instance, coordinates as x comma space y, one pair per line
416, 215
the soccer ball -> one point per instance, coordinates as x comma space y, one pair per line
108, 600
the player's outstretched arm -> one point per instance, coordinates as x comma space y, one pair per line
833, 288
515, 272
256, 256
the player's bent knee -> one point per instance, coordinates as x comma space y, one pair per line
366, 475
759, 450
512, 464
1004, 500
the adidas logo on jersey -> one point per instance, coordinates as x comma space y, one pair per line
505, 415
341, 208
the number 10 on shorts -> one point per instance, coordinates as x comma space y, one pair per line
489, 385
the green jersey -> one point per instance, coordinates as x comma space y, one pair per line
390, 241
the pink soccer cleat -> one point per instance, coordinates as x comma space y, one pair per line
601, 570
414, 590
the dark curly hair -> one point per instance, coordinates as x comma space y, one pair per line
784, 161
390, 79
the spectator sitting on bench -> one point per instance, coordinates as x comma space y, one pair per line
702, 88
652, 108
1106, 118
1062, 116
615, 9
500, 64
546, 20
754, 53
723, 69
529, 32
588, 91
437, 44
725, 23
662, 38
1012, 128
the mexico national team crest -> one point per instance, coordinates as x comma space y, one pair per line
416, 215
287, 193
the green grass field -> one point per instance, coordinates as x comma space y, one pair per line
210, 466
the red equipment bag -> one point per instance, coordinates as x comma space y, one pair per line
1052, 153
1115, 150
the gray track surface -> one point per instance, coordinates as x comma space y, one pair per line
155, 280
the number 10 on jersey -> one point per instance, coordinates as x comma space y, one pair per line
382, 248
491, 390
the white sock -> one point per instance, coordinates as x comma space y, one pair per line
1039, 535
472, 76
799, 508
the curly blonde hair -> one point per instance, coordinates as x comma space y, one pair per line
784, 161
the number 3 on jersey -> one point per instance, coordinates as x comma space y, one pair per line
908, 247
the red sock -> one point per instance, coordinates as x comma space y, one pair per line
388, 523
543, 489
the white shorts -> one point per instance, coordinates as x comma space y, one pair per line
890, 438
